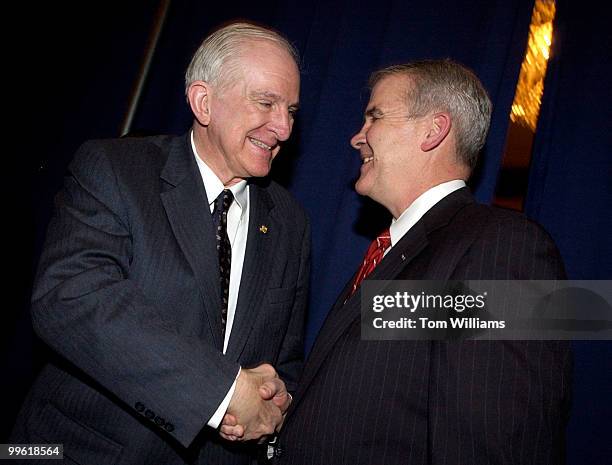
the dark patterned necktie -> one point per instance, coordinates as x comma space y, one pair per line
373, 256
224, 249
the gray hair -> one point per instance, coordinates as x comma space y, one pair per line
213, 60
444, 85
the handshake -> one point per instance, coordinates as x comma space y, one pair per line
257, 406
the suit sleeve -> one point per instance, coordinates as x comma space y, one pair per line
87, 309
502, 401
291, 357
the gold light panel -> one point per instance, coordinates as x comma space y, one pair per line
528, 97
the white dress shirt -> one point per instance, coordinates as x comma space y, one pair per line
409, 217
237, 229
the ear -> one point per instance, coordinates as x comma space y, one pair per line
439, 129
198, 96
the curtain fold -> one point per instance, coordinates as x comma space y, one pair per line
570, 193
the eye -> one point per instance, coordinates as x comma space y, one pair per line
373, 116
265, 104
292, 112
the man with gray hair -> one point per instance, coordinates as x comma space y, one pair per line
173, 283
430, 402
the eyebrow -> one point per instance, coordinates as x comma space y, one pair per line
266, 93
374, 111
273, 96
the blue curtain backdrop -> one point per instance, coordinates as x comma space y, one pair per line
570, 193
90, 62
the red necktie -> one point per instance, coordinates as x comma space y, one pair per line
372, 258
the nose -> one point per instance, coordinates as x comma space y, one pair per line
360, 138
282, 124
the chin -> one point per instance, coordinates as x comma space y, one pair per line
361, 188
259, 171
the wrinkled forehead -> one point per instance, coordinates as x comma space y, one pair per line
391, 90
264, 53
264, 61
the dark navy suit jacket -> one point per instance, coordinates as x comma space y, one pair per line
437, 402
127, 296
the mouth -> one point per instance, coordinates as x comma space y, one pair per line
260, 144
366, 160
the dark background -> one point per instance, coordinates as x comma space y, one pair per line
71, 69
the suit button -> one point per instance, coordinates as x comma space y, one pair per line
139, 407
159, 421
150, 414
169, 427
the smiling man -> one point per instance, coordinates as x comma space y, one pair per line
431, 402
173, 268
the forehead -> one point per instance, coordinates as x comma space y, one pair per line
390, 90
268, 63
265, 48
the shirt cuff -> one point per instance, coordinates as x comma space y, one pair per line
215, 420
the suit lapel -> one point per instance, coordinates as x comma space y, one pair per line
184, 200
343, 315
263, 233
399, 258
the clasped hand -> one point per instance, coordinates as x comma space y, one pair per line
257, 406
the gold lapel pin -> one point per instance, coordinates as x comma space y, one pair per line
264, 229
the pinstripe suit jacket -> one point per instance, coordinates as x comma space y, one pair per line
436, 402
127, 296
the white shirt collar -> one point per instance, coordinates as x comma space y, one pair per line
418, 208
214, 186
